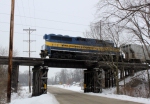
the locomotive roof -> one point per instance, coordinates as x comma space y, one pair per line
60, 35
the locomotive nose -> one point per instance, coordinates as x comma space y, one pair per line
45, 36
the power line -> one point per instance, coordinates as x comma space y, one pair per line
23, 12
58, 13
21, 20
48, 20
29, 12
34, 20
47, 27
19, 13
19, 32
34, 13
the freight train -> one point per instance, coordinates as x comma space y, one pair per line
66, 47
136, 53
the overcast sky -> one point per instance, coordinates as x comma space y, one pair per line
66, 17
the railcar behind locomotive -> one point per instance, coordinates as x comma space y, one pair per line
136, 53
59, 46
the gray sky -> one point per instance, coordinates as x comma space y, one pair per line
66, 17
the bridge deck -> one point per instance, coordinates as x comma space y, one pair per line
69, 63
59, 63
25, 61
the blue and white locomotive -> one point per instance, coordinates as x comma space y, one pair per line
66, 47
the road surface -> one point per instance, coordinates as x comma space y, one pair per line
70, 97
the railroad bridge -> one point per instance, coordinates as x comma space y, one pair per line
92, 76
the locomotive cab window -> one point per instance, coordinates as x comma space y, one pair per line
61, 39
66, 39
81, 39
101, 42
55, 38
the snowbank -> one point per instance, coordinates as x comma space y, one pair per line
24, 97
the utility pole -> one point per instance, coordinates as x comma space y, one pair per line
29, 32
100, 30
10, 51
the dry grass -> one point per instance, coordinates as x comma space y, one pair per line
135, 88
3, 84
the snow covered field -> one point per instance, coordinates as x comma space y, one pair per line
25, 98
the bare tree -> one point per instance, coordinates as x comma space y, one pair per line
108, 31
23, 78
133, 15
3, 75
68, 76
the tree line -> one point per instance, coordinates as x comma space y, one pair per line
3, 75
67, 76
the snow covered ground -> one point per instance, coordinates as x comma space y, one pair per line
109, 93
24, 97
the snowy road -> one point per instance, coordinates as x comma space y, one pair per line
70, 97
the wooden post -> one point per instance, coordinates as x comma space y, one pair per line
10, 51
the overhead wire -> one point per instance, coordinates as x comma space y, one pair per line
25, 19
29, 12
20, 21
19, 13
45, 27
30, 19
48, 20
23, 12
19, 32
34, 14
34, 23
48, 27
58, 13
33, 17
44, 20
